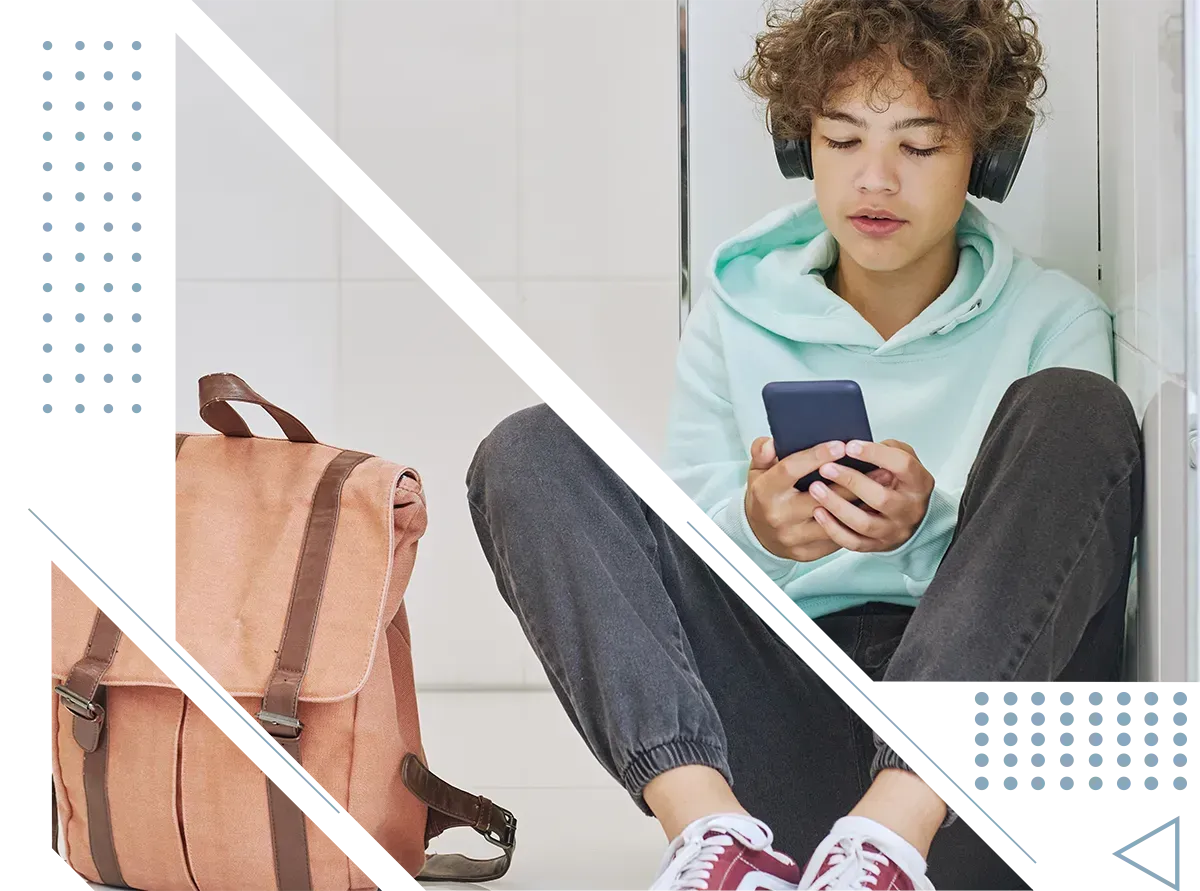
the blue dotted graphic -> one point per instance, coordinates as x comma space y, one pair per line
1151, 783
981, 760
1123, 719
1066, 782
1010, 739
1067, 719
1152, 760
1095, 699
1038, 719
1066, 699
1180, 698
1151, 739
1010, 760
1151, 698
1180, 719
1010, 783
1123, 759
136, 409
1123, 739
1066, 739
1095, 720
1010, 719
1010, 698
1038, 783
1095, 760
1123, 698
1123, 782
137, 379
1151, 718
1038, 759
1095, 739
1066, 759
1180, 783
981, 719
981, 783
1037, 739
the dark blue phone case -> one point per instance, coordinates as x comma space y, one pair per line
803, 414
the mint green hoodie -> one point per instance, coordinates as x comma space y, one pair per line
767, 315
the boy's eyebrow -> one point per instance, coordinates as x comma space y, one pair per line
904, 124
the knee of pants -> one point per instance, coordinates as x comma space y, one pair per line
1078, 402
528, 443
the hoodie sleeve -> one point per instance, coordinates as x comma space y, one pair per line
704, 454
1085, 341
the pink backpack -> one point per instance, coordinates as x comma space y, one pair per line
292, 559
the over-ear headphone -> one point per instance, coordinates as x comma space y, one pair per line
992, 173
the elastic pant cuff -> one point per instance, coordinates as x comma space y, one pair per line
887, 759
649, 763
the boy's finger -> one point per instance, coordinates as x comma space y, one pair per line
886, 457
762, 453
881, 476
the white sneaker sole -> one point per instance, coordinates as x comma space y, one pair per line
753, 881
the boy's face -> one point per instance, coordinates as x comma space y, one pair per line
918, 173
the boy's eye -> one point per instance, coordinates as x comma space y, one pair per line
918, 152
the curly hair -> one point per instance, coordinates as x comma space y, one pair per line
980, 61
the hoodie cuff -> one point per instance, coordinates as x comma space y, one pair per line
919, 557
730, 515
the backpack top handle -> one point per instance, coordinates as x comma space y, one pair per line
217, 391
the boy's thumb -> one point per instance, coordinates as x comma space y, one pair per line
762, 452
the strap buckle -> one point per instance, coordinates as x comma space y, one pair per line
508, 836
78, 705
276, 720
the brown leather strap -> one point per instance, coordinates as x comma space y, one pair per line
218, 390
174, 443
95, 787
450, 807
281, 701
84, 696
53, 815
289, 834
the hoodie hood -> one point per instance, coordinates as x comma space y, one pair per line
773, 274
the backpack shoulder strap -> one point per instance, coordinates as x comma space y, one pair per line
450, 807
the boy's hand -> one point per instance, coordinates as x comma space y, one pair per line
887, 515
782, 517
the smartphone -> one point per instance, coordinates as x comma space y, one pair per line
803, 414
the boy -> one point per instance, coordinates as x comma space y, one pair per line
994, 542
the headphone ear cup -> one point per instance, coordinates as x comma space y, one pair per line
794, 157
993, 173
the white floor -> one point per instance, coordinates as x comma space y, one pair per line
576, 827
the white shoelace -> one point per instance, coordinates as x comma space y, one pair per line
689, 860
852, 866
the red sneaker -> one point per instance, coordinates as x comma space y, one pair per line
860, 853
726, 851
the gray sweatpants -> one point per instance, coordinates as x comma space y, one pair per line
659, 664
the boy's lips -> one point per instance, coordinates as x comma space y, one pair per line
876, 228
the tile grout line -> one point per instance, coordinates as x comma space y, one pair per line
339, 352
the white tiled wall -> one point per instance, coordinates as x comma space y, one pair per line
1142, 236
536, 142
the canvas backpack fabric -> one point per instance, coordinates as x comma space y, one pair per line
292, 559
